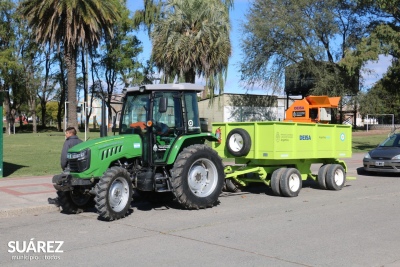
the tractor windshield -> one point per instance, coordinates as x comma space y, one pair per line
135, 113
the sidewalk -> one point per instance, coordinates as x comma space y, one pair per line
26, 195
29, 195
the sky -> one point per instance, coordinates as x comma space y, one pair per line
237, 16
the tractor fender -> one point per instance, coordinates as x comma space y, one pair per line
187, 140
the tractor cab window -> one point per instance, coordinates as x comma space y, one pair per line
192, 113
164, 116
135, 114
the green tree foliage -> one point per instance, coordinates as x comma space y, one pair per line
312, 35
190, 38
51, 112
383, 35
119, 59
383, 38
47, 86
8, 62
72, 24
7, 39
384, 97
19, 64
149, 15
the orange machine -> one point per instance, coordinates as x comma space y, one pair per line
315, 109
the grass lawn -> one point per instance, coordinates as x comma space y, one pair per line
364, 143
29, 154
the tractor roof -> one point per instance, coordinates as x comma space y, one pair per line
168, 86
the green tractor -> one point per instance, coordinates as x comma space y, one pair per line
160, 150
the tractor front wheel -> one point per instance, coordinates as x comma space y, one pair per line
75, 201
113, 194
197, 177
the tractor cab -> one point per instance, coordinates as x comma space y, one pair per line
160, 114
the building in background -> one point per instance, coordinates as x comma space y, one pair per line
242, 108
95, 120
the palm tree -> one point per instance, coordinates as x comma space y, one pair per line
72, 24
191, 37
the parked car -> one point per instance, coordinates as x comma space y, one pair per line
385, 157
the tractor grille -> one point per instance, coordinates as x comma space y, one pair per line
110, 152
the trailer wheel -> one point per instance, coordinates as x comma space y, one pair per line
75, 201
335, 177
322, 176
238, 142
275, 181
291, 183
197, 177
113, 194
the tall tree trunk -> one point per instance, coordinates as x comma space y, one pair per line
43, 114
32, 111
85, 86
43, 98
190, 76
70, 56
62, 95
8, 110
60, 109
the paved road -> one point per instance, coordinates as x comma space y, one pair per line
357, 226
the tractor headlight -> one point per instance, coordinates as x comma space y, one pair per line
78, 155
79, 161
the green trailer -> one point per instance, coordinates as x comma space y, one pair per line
280, 154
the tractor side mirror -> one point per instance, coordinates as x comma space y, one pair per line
163, 104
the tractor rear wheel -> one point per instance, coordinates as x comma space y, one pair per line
113, 194
197, 177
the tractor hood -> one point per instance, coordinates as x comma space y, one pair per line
101, 153
106, 142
